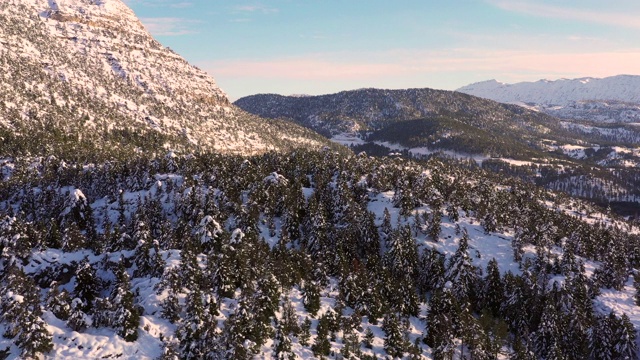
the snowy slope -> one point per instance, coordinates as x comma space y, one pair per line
89, 65
623, 88
611, 99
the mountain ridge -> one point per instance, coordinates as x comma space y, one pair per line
367, 110
622, 88
90, 70
613, 99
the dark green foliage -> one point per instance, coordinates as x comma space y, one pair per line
262, 240
22, 314
125, 316
395, 343
87, 284
311, 299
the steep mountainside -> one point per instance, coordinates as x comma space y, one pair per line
86, 71
611, 99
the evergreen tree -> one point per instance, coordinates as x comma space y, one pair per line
395, 343
87, 284
58, 302
547, 338
626, 346
461, 272
322, 345
442, 319
311, 297
368, 338
196, 333
493, 290
282, 345
171, 307
305, 332
77, 319
22, 314
126, 318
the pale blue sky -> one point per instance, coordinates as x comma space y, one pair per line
325, 46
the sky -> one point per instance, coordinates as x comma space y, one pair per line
325, 46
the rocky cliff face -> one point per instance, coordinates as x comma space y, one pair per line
89, 67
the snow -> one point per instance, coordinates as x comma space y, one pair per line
347, 139
562, 92
608, 100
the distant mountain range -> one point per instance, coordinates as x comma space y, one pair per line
611, 99
87, 75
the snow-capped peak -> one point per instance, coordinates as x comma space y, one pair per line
623, 88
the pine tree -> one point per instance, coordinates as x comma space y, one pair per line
171, 307
282, 345
126, 318
442, 319
547, 338
386, 228
207, 234
431, 271
601, 338
322, 345
77, 319
311, 297
636, 285
395, 343
493, 290
58, 302
461, 272
305, 332
626, 346
21, 312
197, 329
169, 350
368, 338
72, 238
87, 284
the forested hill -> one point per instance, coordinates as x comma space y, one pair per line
306, 254
374, 109
86, 76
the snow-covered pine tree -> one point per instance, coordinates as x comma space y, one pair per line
126, 318
58, 302
461, 272
87, 284
547, 338
22, 314
626, 346
78, 320
493, 289
395, 343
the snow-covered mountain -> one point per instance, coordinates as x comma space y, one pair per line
611, 99
621, 88
90, 69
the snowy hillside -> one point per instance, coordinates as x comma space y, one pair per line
621, 88
307, 255
611, 99
91, 70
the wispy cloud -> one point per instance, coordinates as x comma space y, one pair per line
161, 3
537, 8
406, 63
256, 8
168, 26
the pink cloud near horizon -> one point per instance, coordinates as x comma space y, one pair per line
406, 63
